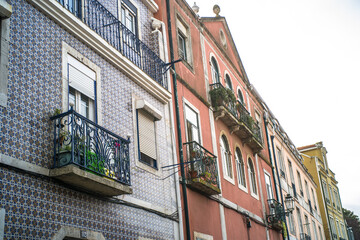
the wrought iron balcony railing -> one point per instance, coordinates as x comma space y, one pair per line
202, 166
220, 96
304, 236
81, 142
104, 23
276, 211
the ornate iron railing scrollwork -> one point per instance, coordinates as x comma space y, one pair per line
202, 163
79, 141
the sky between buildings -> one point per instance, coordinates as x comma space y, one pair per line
304, 59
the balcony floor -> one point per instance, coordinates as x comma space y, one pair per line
89, 181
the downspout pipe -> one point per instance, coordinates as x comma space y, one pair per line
281, 196
270, 156
181, 156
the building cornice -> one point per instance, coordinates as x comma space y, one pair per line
81, 31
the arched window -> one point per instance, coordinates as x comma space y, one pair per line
240, 168
215, 71
225, 156
240, 96
252, 177
228, 82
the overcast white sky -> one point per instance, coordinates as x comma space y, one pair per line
304, 59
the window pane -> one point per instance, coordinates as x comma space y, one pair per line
72, 99
84, 106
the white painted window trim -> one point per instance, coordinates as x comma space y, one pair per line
77, 28
225, 176
212, 55
67, 50
202, 236
5, 13
184, 29
271, 184
140, 103
186, 102
253, 194
243, 188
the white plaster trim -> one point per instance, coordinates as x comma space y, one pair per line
66, 231
138, 163
4, 59
151, 5
186, 102
143, 104
79, 29
20, 164
202, 236
2, 223
5, 9
147, 205
238, 208
223, 222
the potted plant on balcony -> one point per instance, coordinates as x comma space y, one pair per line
193, 173
95, 163
218, 96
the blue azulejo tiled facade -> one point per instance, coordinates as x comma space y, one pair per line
34, 204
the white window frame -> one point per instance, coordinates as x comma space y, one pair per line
212, 70
183, 29
5, 48
202, 236
252, 181
69, 51
139, 103
224, 161
268, 175
192, 107
238, 170
280, 158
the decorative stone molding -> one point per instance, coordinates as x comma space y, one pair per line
77, 233
151, 5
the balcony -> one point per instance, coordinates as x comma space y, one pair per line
235, 116
304, 236
90, 157
109, 27
275, 217
202, 173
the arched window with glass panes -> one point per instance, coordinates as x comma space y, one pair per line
226, 156
215, 71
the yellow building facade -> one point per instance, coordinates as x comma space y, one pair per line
315, 160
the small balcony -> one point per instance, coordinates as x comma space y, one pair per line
304, 236
202, 174
89, 156
275, 217
235, 116
110, 28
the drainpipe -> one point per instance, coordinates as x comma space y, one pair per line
182, 170
269, 151
281, 196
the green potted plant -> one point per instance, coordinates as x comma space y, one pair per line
218, 96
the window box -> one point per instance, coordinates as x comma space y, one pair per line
89, 156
